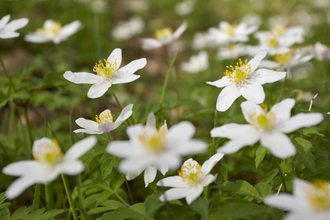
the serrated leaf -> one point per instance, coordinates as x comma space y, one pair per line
152, 204
201, 206
5, 214
22, 211
98, 197
139, 207
260, 155
312, 131
51, 213
264, 189
34, 215
247, 189
117, 180
122, 213
113, 204
306, 158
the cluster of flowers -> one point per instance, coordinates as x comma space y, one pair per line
150, 149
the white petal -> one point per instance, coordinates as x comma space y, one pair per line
269, 76
278, 144
134, 131
174, 193
122, 149
210, 163
36, 38
82, 77
80, 148
208, 179
124, 114
249, 108
194, 193
172, 181
8, 34
256, 59
72, 167
151, 121
177, 33
150, 43
130, 176
234, 131
88, 125
149, 175
16, 24
227, 96
87, 131
98, 89
132, 165
4, 20
163, 168
20, 168
301, 189
107, 127
269, 64
181, 131
235, 145
254, 93
224, 81
116, 79
115, 56
19, 185
188, 147
301, 120
282, 110
282, 201
131, 68
69, 29
169, 160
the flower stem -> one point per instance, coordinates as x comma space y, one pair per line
49, 199
29, 127
36, 200
66, 186
121, 108
281, 174
122, 200
281, 91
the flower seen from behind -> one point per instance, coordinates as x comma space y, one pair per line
104, 122
245, 80
267, 126
48, 163
191, 180
107, 73
309, 201
53, 31
151, 149
8, 30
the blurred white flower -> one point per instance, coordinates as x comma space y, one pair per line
184, 8
98, 6
252, 19
127, 29
233, 51
163, 37
48, 163
107, 74
267, 126
227, 33
197, 63
53, 31
104, 122
150, 149
245, 80
201, 41
309, 201
304, 96
321, 51
8, 30
137, 5
191, 180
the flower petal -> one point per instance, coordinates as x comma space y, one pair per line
254, 62
282, 110
172, 181
69, 29
181, 131
151, 121
150, 43
134, 131
122, 149
124, 114
20, 168
131, 68
82, 77
177, 33
234, 145
210, 163
278, 144
194, 193
283, 201
188, 147
98, 89
124, 78
254, 92
174, 193
208, 179
227, 96
269, 76
4, 20
72, 167
130, 176
250, 108
90, 127
149, 175
132, 165
224, 81
19, 185
234, 131
36, 38
115, 56
107, 127
80, 148
301, 120
16, 24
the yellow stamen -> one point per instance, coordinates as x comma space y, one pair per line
319, 196
278, 29
230, 30
263, 121
104, 117
153, 140
164, 33
239, 73
283, 58
107, 70
51, 30
272, 41
47, 151
191, 172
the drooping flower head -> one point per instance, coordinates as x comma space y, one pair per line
107, 73
8, 30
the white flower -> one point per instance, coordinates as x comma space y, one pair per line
245, 80
163, 37
268, 127
321, 51
184, 8
196, 63
127, 29
48, 163
191, 180
53, 31
104, 122
201, 41
136, 5
231, 33
150, 149
233, 51
309, 201
107, 74
8, 30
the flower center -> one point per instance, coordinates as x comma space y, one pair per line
272, 41
104, 117
107, 70
264, 121
239, 73
164, 33
319, 196
230, 30
191, 172
279, 29
283, 58
50, 30
153, 140
47, 151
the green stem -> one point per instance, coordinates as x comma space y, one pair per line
49, 199
281, 174
122, 200
66, 186
114, 95
36, 200
281, 91
6, 73
29, 127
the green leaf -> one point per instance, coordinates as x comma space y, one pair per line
117, 180
2, 197
98, 197
247, 189
307, 158
312, 131
107, 165
5, 205
201, 206
122, 213
175, 202
51, 213
307, 146
264, 189
152, 204
5, 214
260, 155
22, 211
108, 206
270, 176
224, 171
35, 214
139, 207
